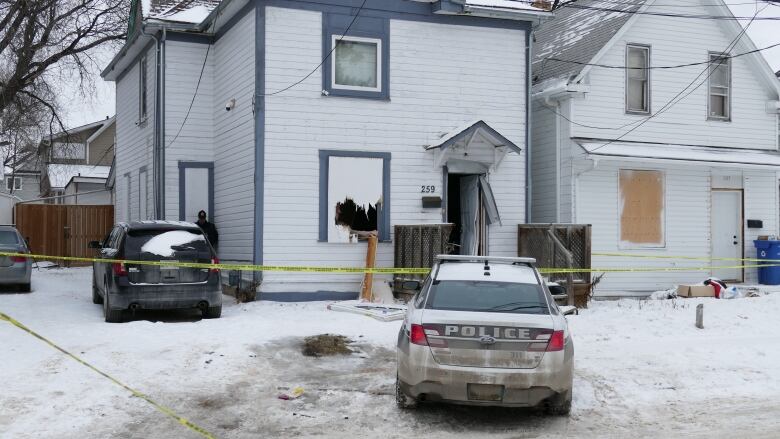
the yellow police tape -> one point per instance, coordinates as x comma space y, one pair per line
422, 271
688, 258
160, 407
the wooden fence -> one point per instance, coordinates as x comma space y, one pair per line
63, 230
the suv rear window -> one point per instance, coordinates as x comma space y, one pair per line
8, 237
182, 245
485, 296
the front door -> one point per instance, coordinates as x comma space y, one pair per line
727, 234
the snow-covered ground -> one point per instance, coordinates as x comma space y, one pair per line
642, 370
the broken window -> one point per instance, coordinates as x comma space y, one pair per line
355, 198
641, 208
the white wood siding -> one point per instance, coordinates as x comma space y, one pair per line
569, 155
134, 138
434, 87
761, 203
675, 42
234, 147
544, 164
688, 223
183, 64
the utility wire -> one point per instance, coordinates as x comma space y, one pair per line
605, 66
354, 19
674, 101
669, 14
197, 86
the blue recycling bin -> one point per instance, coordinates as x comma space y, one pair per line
766, 249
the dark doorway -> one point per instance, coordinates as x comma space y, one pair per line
464, 210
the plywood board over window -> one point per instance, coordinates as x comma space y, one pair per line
641, 208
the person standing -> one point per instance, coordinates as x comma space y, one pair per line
208, 228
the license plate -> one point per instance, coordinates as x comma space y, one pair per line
485, 392
169, 267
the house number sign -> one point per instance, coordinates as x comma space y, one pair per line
428, 189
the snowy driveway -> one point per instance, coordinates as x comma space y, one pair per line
642, 370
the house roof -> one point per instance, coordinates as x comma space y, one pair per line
577, 34
60, 174
648, 152
182, 11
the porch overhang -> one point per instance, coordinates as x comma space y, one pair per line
474, 147
713, 156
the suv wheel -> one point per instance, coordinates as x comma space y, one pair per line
97, 299
403, 400
212, 312
559, 405
111, 315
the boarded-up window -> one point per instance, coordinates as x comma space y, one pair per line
641, 208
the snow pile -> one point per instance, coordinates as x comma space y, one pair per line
164, 243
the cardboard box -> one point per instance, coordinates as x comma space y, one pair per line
695, 291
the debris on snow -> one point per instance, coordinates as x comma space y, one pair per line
326, 345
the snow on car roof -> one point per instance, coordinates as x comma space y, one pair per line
476, 271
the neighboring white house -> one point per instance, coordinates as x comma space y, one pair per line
697, 177
419, 99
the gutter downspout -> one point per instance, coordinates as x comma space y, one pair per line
156, 168
162, 123
528, 182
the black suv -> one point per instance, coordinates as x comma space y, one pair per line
124, 286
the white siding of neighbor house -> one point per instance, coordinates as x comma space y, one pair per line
31, 187
570, 153
687, 222
234, 147
544, 164
134, 138
183, 64
435, 86
672, 43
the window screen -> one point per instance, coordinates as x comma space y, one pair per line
641, 208
720, 87
638, 79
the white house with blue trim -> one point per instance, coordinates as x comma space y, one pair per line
298, 125
662, 133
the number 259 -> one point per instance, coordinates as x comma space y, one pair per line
428, 189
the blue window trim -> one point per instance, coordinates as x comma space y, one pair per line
383, 218
183, 166
363, 27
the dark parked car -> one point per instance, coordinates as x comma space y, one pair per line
14, 270
124, 286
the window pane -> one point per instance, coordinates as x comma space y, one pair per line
356, 64
718, 106
720, 74
636, 96
637, 63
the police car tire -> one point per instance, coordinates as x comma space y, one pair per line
560, 405
402, 399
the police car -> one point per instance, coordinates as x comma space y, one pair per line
485, 331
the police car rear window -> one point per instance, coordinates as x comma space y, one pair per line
482, 296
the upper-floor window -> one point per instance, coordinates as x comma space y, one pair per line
142, 87
13, 183
68, 151
356, 62
719, 99
637, 79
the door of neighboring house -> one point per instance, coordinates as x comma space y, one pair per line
196, 190
727, 240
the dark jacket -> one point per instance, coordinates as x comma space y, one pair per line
211, 232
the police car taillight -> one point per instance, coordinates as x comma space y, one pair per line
556, 342
420, 335
417, 335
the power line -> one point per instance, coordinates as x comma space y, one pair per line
659, 67
670, 14
197, 86
354, 19
672, 102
